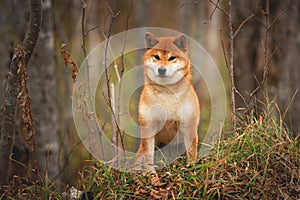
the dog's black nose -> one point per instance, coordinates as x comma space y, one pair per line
162, 71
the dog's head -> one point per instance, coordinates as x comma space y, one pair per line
166, 59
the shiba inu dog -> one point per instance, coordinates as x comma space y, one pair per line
169, 109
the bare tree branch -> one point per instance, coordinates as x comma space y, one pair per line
290, 103
220, 8
108, 85
266, 39
224, 51
122, 62
214, 10
242, 24
120, 138
231, 66
94, 117
185, 3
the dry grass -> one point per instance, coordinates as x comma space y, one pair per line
260, 161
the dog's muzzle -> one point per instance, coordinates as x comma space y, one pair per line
162, 71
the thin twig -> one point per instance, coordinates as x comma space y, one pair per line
183, 4
275, 20
275, 50
120, 77
290, 103
214, 10
117, 72
116, 122
242, 97
269, 61
113, 122
252, 94
269, 58
242, 24
122, 62
226, 63
224, 52
266, 39
83, 33
231, 66
107, 78
91, 29
220, 8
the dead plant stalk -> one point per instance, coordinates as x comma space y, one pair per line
110, 95
231, 65
94, 117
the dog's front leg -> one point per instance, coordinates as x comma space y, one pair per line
145, 153
191, 144
190, 140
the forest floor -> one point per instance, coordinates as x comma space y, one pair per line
258, 161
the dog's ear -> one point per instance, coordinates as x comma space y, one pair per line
151, 40
180, 42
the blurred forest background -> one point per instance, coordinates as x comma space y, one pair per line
266, 49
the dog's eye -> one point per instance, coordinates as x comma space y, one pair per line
172, 58
156, 57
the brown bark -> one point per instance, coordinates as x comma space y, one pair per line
13, 28
12, 23
8, 122
4, 63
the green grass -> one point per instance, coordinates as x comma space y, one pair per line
258, 161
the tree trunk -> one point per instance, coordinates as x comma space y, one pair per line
246, 49
286, 60
43, 92
284, 73
12, 24
4, 60
12, 30
8, 121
